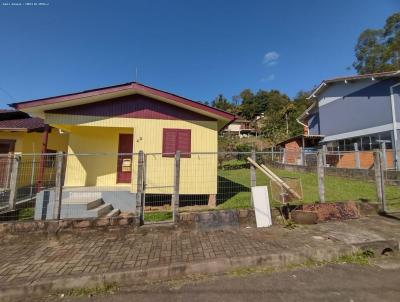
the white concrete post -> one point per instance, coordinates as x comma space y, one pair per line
357, 156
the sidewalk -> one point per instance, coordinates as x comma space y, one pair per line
37, 265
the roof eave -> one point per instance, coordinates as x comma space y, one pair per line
110, 92
372, 76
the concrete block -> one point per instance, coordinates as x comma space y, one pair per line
304, 217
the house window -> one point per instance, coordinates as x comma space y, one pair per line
50, 158
6, 146
174, 140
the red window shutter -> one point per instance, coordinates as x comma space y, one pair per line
184, 142
176, 139
169, 142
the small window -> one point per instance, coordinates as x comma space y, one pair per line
50, 158
174, 140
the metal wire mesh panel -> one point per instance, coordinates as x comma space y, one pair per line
23, 175
97, 186
392, 182
233, 180
158, 187
198, 181
282, 195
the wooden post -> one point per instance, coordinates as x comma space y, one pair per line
357, 156
301, 156
384, 162
324, 152
284, 156
253, 174
60, 159
140, 188
320, 174
272, 154
175, 196
12, 199
379, 180
45, 138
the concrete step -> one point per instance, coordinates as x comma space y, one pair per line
101, 210
82, 204
94, 204
93, 209
84, 195
113, 213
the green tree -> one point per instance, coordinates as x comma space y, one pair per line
222, 103
378, 50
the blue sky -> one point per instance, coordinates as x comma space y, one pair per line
196, 49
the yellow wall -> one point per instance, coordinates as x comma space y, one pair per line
31, 142
99, 134
92, 159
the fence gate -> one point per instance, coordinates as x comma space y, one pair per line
5, 173
158, 188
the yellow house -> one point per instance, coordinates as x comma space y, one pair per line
20, 133
108, 126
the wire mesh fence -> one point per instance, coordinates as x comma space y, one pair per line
80, 186
158, 187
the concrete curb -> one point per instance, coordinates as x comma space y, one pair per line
214, 266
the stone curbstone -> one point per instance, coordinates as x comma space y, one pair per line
56, 226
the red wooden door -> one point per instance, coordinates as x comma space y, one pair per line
124, 164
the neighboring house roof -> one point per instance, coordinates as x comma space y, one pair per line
11, 120
239, 120
28, 124
325, 83
7, 114
40, 106
306, 137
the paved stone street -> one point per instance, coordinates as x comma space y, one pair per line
30, 259
330, 283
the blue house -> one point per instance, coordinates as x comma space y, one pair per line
362, 109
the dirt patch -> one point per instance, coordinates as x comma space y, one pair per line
327, 211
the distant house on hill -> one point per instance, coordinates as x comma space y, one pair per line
240, 127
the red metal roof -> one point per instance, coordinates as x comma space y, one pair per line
127, 86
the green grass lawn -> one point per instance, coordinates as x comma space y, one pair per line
157, 216
26, 213
336, 188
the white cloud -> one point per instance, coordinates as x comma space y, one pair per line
269, 78
271, 58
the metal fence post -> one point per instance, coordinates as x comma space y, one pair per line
140, 188
379, 180
59, 183
12, 199
357, 156
175, 196
383, 158
320, 174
